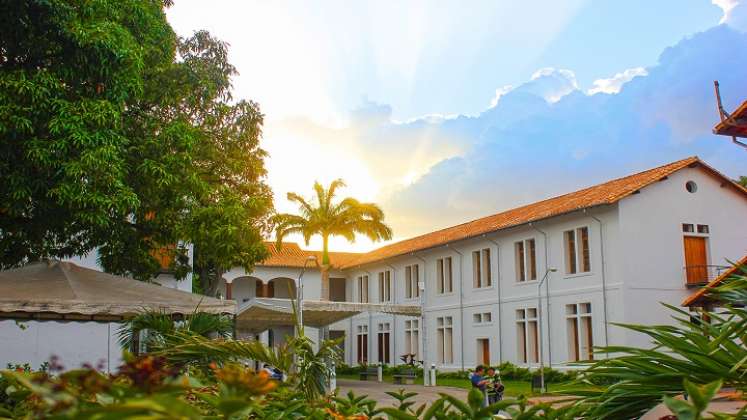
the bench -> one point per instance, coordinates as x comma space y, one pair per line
370, 371
405, 377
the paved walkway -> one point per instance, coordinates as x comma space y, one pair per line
377, 391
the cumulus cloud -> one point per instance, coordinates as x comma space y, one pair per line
528, 147
537, 139
615, 83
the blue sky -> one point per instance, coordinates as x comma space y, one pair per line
443, 112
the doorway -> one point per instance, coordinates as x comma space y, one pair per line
483, 351
696, 260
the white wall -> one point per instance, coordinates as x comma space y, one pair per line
75, 343
652, 240
642, 265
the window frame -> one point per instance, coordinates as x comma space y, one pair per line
385, 286
412, 337
481, 269
525, 272
578, 320
444, 276
530, 337
412, 281
579, 251
363, 289
442, 328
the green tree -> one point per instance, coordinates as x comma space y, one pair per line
326, 218
742, 181
108, 141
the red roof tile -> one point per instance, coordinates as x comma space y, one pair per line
291, 255
606, 193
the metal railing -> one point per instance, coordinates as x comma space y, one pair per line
698, 275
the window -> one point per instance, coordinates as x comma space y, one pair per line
383, 341
444, 340
363, 289
385, 286
527, 335
691, 187
481, 276
703, 229
580, 339
412, 279
482, 317
412, 337
688, 228
526, 260
444, 275
362, 344
577, 258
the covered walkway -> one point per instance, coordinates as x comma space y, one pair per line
258, 314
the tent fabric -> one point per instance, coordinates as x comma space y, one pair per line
259, 314
62, 290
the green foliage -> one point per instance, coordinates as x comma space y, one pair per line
161, 325
689, 352
109, 142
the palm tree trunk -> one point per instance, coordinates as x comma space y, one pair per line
324, 268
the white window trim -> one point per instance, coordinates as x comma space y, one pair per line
526, 260
441, 261
564, 249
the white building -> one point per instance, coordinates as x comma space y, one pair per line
618, 249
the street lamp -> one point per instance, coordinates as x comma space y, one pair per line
539, 316
299, 290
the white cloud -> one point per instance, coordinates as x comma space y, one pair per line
735, 13
498, 93
615, 83
551, 83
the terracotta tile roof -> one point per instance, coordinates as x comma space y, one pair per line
291, 255
607, 193
698, 297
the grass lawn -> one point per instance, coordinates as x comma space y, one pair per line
514, 388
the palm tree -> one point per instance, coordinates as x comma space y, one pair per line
160, 325
326, 218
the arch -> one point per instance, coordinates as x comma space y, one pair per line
283, 287
243, 288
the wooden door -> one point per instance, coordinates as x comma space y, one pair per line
695, 259
485, 351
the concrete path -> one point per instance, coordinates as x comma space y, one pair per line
377, 391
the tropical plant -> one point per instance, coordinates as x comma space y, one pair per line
700, 351
161, 325
326, 218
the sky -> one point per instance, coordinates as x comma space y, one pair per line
445, 111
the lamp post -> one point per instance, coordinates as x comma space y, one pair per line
539, 317
299, 290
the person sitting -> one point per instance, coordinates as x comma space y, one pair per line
495, 386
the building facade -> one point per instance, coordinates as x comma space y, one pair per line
543, 281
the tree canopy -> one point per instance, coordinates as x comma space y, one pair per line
117, 135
